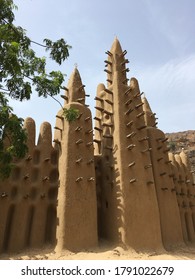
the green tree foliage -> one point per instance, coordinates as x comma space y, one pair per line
70, 114
20, 71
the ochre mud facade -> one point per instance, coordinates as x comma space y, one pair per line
115, 180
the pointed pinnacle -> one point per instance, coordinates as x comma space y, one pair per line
146, 106
76, 88
116, 47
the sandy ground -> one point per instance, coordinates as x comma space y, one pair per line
104, 252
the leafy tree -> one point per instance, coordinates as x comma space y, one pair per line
21, 71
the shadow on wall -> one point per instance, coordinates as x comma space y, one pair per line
109, 198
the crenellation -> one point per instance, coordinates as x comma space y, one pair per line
28, 186
29, 126
115, 179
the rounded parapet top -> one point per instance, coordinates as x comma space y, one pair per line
134, 84
171, 157
185, 159
28, 121
178, 159
30, 127
45, 134
100, 90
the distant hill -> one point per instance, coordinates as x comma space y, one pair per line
183, 140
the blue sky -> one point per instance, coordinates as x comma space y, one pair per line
159, 37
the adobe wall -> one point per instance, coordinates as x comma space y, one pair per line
28, 197
185, 195
169, 213
189, 182
175, 176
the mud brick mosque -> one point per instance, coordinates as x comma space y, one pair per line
113, 179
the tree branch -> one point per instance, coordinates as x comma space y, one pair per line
15, 30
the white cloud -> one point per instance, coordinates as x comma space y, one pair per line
170, 89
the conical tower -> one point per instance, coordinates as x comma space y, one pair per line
76, 209
128, 193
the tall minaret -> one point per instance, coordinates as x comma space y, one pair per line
129, 209
76, 209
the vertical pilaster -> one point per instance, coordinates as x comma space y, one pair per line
165, 190
77, 208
